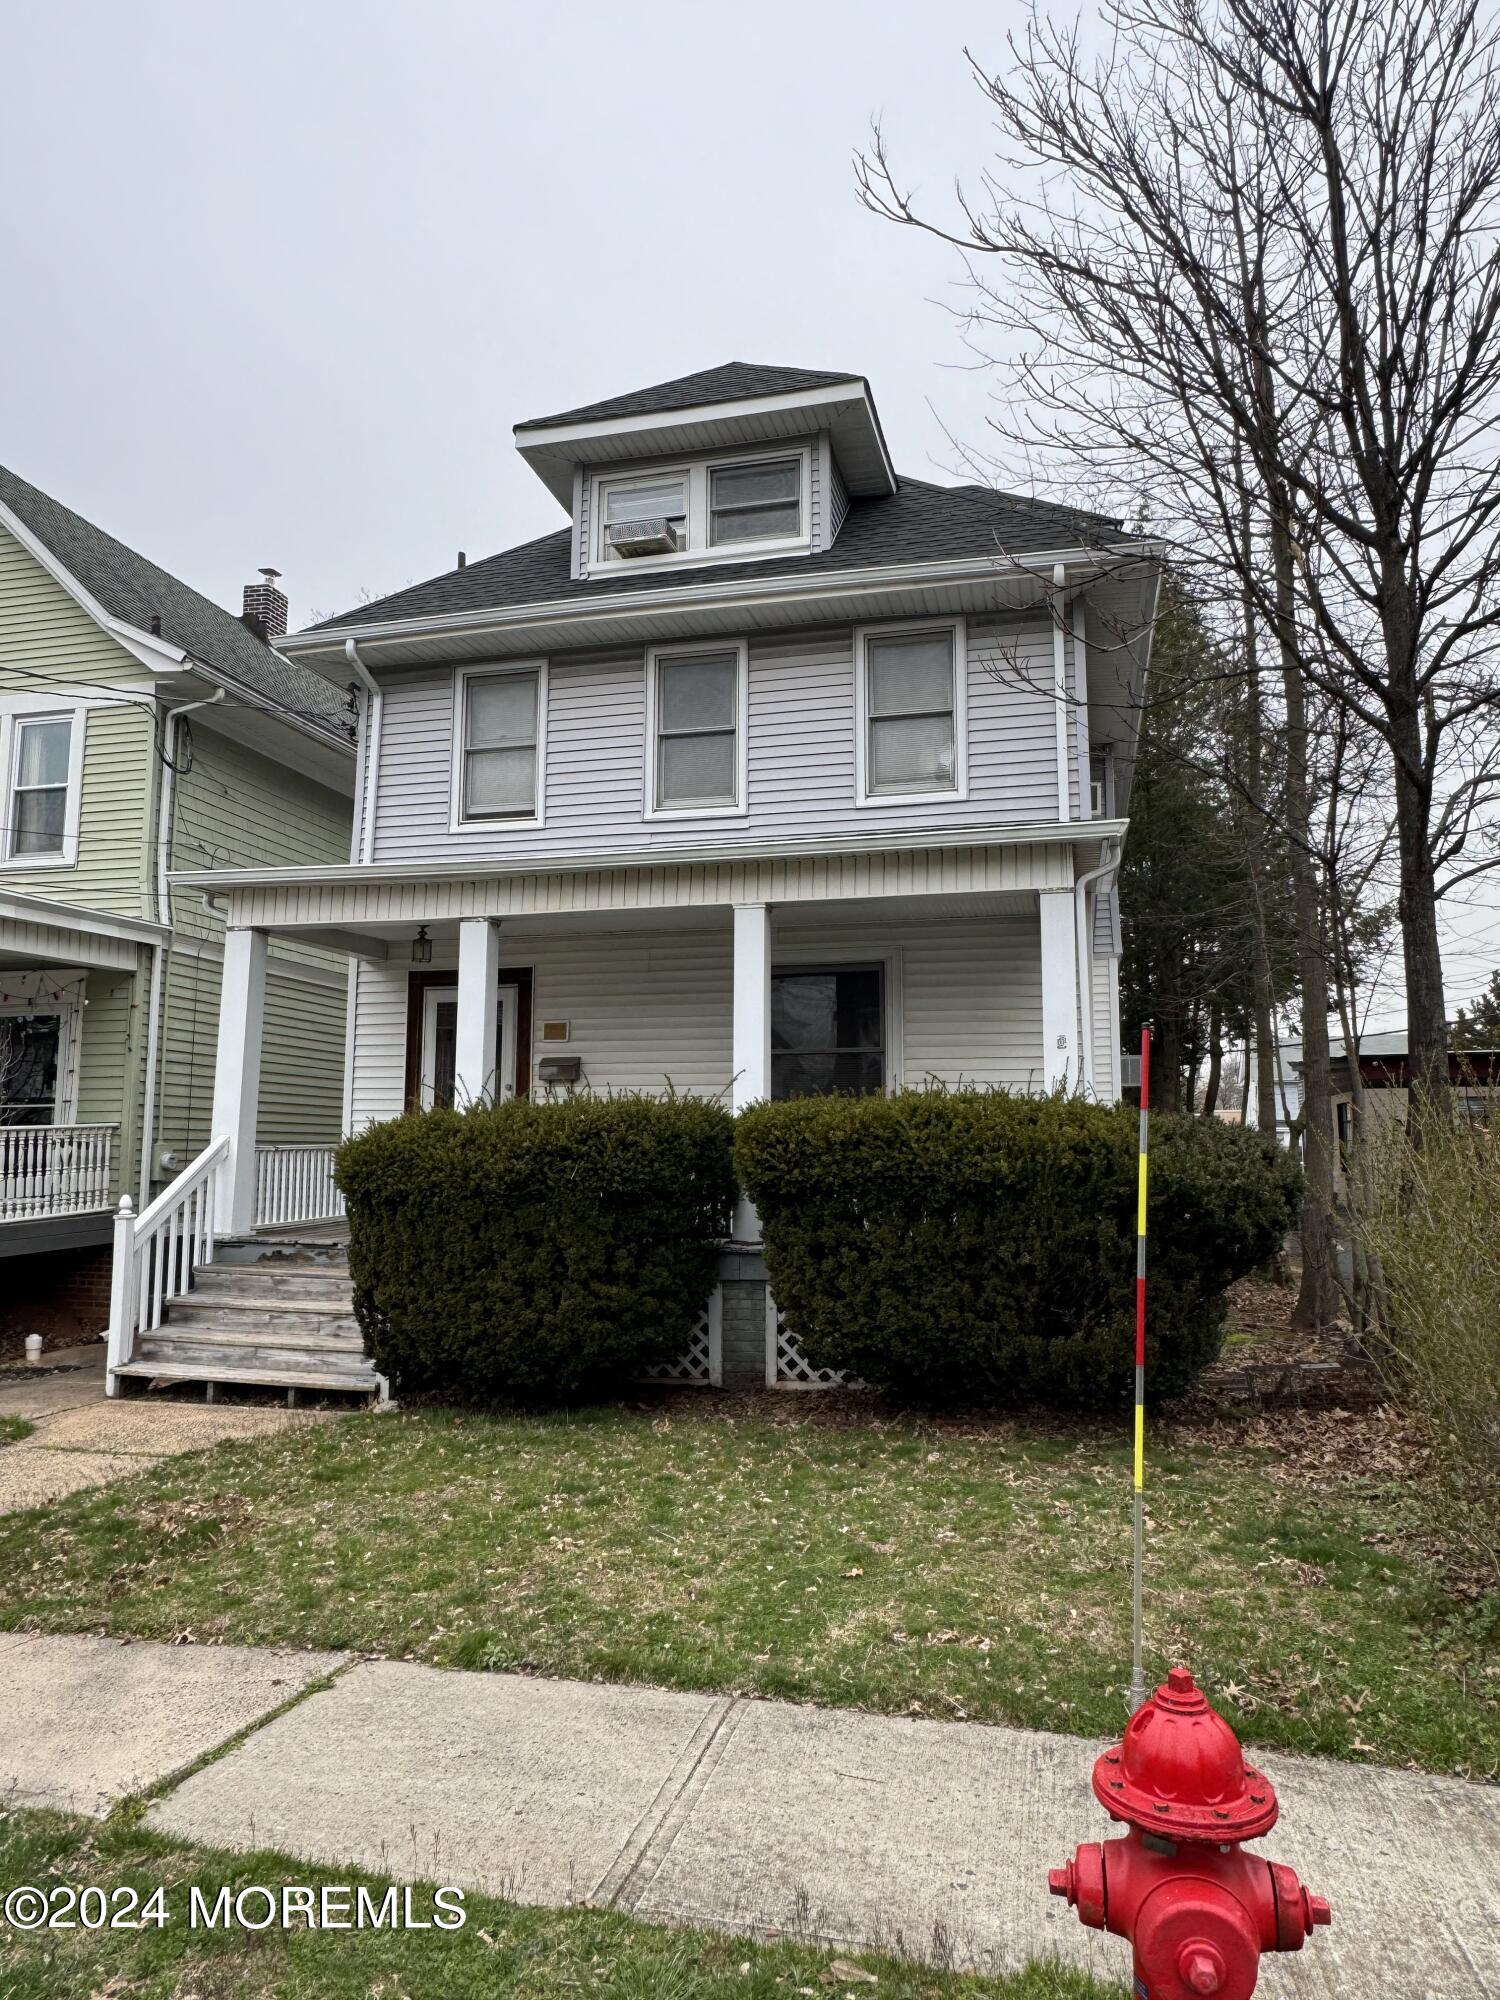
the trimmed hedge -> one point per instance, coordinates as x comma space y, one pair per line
535, 1252
972, 1246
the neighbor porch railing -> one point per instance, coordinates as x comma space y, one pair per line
54, 1169
156, 1254
295, 1184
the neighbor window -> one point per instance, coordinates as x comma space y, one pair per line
662, 500
758, 502
501, 718
827, 1031
39, 785
697, 752
911, 713
29, 1045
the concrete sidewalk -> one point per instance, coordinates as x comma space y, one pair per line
930, 1839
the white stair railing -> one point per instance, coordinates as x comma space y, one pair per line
295, 1184
156, 1254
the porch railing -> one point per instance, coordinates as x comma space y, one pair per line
156, 1254
54, 1169
295, 1184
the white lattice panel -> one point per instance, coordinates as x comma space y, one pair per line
701, 1365
787, 1367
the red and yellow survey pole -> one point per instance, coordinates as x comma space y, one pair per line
1138, 1502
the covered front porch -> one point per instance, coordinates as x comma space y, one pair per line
756, 979
72, 986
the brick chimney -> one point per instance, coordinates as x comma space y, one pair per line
265, 606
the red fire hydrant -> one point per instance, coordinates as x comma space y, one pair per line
1198, 1910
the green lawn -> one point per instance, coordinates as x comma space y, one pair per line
502, 1949
889, 1565
13, 1429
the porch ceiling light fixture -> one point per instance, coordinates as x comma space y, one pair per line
421, 947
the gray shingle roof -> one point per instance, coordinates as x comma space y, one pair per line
134, 590
918, 523
735, 381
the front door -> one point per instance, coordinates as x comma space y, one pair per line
439, 1044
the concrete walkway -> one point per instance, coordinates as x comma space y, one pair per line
927, 1838
82, 1438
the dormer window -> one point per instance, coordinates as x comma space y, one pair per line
725, 508
758, 502
644, 517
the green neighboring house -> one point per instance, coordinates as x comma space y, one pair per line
143, 729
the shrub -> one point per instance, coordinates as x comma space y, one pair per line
535, 1252
1424, 1216
973, 1246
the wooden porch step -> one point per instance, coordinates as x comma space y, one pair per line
312, 1281
235, 1340
267, 1315
254, 1378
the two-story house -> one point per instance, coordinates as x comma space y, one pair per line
142, 729
771, 771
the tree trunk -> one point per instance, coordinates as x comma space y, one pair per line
1426, 1013
1318, 1298
1215, 1063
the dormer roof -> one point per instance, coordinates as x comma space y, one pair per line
739, 403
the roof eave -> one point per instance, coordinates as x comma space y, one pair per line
322, 647
553, 450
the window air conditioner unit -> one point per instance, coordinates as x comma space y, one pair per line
655, 537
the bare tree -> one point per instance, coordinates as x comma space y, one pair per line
1250, 256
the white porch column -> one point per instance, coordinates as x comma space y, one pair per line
752, 1029
1060, 1048
242, 1012
478, 1011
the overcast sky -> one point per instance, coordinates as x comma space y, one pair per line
276, 281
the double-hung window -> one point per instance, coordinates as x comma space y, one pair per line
827, 1030
909, 702
498, 760
42, 775
648, 515
696, 717
760, 501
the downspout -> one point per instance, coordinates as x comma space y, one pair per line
370, 720
362, 848
161, 950
1085, 964
1060, 689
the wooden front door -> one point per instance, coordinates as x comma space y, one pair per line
431, 1029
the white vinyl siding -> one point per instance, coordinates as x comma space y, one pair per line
799, 751
649, 1008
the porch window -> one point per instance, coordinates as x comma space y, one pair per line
696, 701
39, 785
758, 502
827, 1031
29, 1045
910, 703
501, 736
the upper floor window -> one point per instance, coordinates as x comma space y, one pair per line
748, 503
909, 703
695, 704
644, 517
42, 770
498, 744
759, 502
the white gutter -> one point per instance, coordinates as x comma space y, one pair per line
161, 952
1060, 688
371, 711
739, 593
1081, 887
